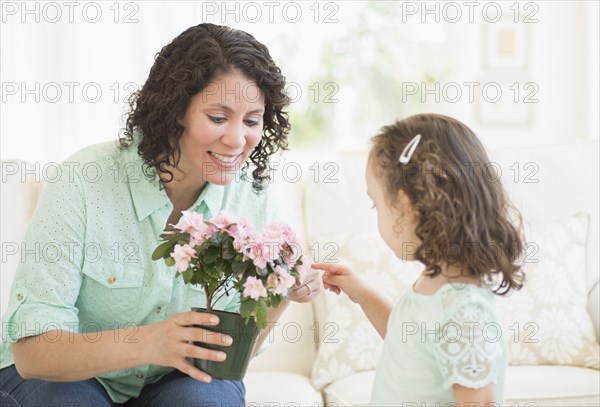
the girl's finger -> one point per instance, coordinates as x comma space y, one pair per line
333, 288
325, 266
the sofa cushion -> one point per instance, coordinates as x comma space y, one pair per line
279, 388
552, 386
291, 344
354, 390
538, 386
552, 182
546, 322
348, 342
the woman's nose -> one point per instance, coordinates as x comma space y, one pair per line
234, 137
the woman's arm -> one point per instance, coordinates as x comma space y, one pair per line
376, 307
73, 357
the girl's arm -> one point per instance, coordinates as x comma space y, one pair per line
484, 396
376, 307
74, 357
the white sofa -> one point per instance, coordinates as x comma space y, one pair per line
329, 200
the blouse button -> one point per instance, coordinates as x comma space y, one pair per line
139, 376
20, 296
158, 309
111, 279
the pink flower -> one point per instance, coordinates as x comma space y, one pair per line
261, 253
191, 222
281, 233
272, 282
224, 219
241, 233
254, 288
284, 281
303, 269
290, 253
183, 256
198, 237
253, 251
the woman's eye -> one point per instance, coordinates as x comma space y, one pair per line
251, 122
217, 119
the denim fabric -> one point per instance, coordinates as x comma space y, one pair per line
173, 390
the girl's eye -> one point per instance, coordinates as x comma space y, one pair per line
251, 123
217, 119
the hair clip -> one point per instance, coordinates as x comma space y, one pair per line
409, 149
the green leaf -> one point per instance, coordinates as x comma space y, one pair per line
262, 272
188, 275
239, 267
211, 255
247, 307
275, 301
261, 314
216, 239
228, 250
163, 250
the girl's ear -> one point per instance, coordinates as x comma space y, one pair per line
405, 203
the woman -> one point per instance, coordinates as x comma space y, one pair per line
100, 323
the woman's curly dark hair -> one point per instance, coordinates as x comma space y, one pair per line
184, 68
464, 214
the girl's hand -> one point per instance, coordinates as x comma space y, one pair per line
338, 278
168, 342
307, 290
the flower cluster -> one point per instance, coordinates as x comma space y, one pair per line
224, 253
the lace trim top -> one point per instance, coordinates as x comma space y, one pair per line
435, 341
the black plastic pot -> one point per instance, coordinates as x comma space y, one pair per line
239, 353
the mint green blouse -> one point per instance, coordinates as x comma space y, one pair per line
86, 262
435, 341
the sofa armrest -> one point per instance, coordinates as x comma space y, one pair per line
593, 308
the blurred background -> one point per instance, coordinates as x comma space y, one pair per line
520, 73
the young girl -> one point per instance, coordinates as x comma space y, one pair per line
437, 202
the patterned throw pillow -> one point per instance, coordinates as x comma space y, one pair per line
350, 344
551, 308
546, 322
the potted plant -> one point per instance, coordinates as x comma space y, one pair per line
225, 257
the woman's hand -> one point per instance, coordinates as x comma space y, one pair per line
308, 289
338, 278
167, 343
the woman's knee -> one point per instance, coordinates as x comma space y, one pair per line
181, 390
218, 393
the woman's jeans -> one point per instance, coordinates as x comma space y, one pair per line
174, 390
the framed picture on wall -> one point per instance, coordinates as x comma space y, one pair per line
505, 45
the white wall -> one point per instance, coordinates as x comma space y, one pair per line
109, 55
593, 67
563, 63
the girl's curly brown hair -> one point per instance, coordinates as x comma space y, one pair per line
464, 214
184, 68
